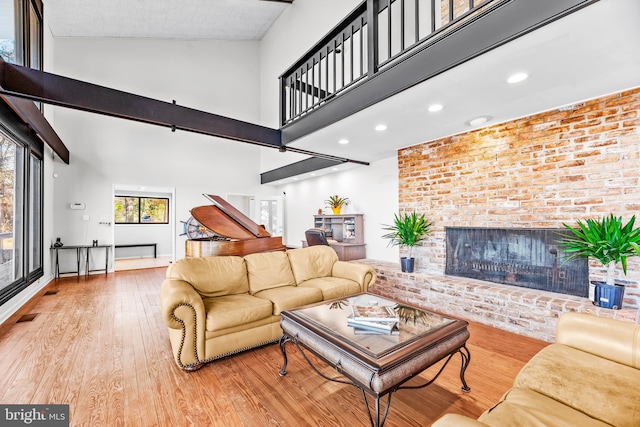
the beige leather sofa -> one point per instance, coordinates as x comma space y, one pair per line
218, 306
590, 377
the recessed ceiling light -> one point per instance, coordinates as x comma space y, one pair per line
334, 169
517, 78
343, 141
435, 107
381, 127
295, 178
478, 121
312, 174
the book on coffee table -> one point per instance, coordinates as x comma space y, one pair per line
384, 327
375, 313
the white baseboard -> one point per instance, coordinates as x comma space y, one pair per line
14, 304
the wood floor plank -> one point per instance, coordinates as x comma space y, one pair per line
100, 345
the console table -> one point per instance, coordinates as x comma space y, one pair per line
79, 250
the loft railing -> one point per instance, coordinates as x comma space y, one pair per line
354, 50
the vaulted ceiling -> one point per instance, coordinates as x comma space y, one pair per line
592, 52
163, 19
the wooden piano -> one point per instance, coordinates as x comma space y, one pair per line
235, 233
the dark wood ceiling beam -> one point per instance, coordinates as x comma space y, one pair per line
52, 89
19, 86
31, 116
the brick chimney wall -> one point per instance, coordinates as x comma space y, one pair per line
537, 171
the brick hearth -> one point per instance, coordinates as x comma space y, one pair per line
523, 311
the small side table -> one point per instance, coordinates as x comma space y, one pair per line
79, 249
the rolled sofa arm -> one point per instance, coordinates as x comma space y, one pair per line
611, 339
457, 420
183, 312
364, 275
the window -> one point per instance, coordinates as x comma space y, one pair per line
35, 214
269, 215
11, 170
21, 154
20, 212
35, 37
141, 210
21, 32
11, 31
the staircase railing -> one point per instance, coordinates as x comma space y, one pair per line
356, 50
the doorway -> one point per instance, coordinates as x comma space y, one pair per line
266, 211
143, 237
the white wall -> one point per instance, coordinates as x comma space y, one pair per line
214, 76
298, 28
373, 191
234, 79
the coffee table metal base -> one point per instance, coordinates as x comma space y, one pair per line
377, 419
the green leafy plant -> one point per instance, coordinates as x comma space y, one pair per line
606, 239
407, 230
337, 201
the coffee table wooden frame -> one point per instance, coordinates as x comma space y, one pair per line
375, 376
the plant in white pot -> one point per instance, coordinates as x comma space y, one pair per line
407, 230
611, 242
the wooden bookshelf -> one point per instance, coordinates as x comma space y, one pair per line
345, 234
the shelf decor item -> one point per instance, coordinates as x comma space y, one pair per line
610, 241
336, 203
408, 230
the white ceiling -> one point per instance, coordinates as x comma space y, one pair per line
590, 53
170, 19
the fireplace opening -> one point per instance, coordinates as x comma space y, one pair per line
529, 258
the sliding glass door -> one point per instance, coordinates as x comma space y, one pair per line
21, 244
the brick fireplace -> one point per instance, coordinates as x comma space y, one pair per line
535, 172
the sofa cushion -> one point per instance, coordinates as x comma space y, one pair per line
599, 387
233, 310
526, 408
311, 262
287, 297
332, 287
268, 270
212, 276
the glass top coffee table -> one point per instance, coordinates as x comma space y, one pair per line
380, 363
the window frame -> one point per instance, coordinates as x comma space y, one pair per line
32, 147
140, 222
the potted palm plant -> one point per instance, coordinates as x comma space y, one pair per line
407, 230
610, 241
336, 203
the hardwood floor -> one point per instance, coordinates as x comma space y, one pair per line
100, 346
